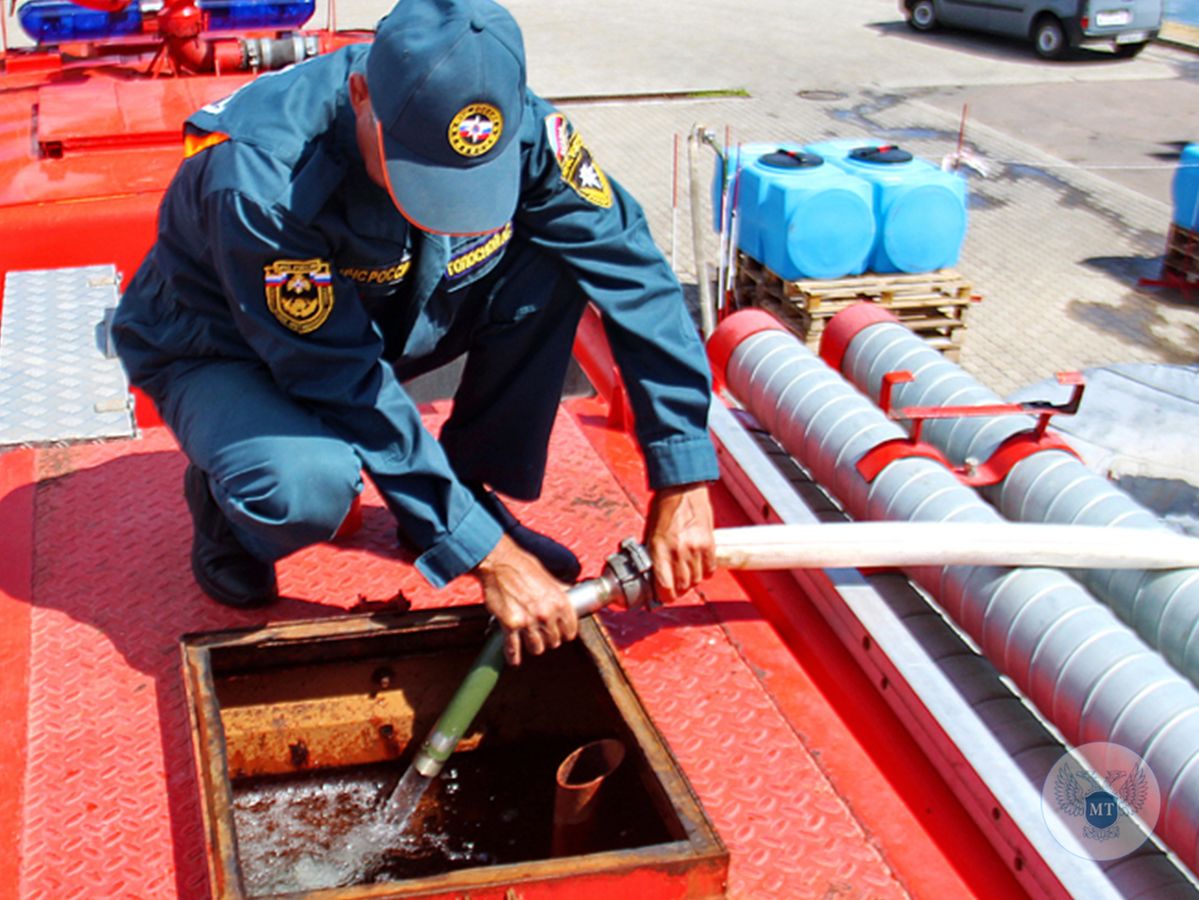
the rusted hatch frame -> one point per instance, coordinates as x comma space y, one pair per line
699, 860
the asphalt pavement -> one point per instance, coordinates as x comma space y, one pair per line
1073, 208
1069, 207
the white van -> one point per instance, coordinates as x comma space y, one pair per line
1054, 26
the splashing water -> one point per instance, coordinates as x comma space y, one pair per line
399, 807
277, 843
364, 846
333, 828
306, 817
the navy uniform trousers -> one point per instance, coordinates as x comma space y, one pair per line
284, 479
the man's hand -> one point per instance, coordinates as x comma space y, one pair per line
526, 600
678, 534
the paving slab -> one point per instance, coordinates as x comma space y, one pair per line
1058, 239
1055, 251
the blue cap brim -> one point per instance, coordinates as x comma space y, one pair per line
452, 200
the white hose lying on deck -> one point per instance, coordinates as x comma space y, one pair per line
870, 544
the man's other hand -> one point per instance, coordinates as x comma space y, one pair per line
528, 602
678, 534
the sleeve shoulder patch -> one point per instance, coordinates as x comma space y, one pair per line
579, 169
198, 141
299, 292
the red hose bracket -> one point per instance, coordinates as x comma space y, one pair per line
889, 381
1044, 410
877, 458
881, 456
1015, 448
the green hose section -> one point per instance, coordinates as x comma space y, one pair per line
465, 705
585, 597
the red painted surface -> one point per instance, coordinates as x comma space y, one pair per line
87, 149
116, 230
733, 330
110, 802
80, 182
845, 326
873, 761
17, 478
884, 453
104, 113
1017, 447
145, 413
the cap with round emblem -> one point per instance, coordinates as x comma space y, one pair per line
447, 85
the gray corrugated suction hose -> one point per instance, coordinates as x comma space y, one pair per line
1085, 671
1050, 486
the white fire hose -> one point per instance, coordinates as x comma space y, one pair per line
873, 544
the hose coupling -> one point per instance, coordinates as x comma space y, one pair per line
632, 573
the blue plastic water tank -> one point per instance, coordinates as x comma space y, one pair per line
738, 159
919, 210
1186, 188
803, 218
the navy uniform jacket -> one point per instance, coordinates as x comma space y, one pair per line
285, 201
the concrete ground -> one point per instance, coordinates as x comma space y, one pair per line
1080, 154
1074, 209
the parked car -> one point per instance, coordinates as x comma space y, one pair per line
1054, 26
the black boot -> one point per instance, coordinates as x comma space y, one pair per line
223, 568
558, 560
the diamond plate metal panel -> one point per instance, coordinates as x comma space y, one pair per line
55, 382
788, 833
111, 800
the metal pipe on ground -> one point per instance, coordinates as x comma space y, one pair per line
865, 342
1084, 670
707, 306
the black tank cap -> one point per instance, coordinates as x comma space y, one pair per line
792, 159
887, 153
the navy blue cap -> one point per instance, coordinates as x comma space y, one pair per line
447, 86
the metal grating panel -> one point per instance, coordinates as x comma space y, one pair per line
56, 384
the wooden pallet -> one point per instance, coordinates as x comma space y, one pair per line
1181, 260
932, 304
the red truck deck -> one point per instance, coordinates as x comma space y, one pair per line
810, 781
834, 756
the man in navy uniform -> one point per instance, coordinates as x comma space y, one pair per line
351, 222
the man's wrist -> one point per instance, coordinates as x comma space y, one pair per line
676, 489
495, 556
